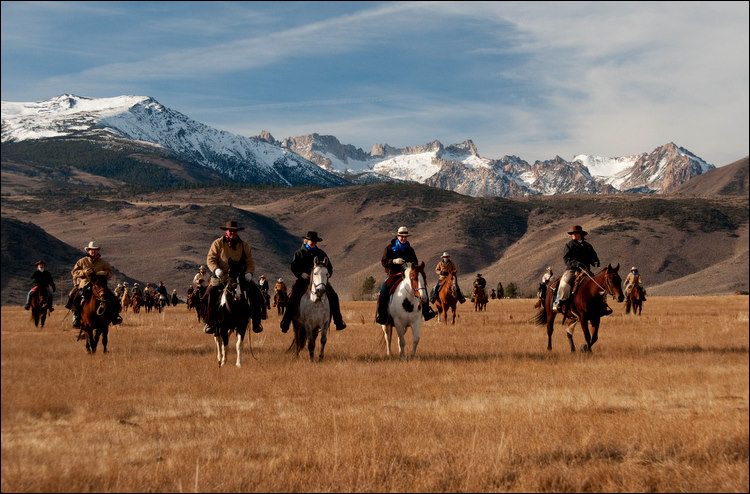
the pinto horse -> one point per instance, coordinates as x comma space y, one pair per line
586, 306
447, 299
314, 314
96, 315
480, 299
38, 303
634, 300
405, 309
234, 316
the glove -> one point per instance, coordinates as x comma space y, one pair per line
398, 261
305, 276
218, 272
248, 276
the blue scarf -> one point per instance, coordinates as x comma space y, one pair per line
399, 247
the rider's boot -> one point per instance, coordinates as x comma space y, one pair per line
461, 297
381, 314
50, 306
257, 326
76, 319
433, 297
607, 310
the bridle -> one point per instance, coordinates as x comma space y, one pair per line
414, 281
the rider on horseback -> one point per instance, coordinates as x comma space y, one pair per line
42, 280
302, 264
228, 258
578, 256
543, 285
396, 253
633, 280
263, 285
443, 269
280, 287
83, 273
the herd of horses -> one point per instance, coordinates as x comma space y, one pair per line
312, 320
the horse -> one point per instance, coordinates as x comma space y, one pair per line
280, 299
234, 316
147, 301
586, 305
96, 315
480, 299
405, 309
136, 302
314, 314
447, 299
634, 300
194, 301
126, 300
38, 303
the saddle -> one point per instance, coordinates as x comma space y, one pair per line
392, 282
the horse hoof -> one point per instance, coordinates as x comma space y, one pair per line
585, 348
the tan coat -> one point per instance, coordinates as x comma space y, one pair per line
449, 266
205, 278
81, 275
280, 286
221, 253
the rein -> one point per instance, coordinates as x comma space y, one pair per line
607, 283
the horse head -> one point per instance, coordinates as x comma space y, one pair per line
418, 280
319, 278
613, 282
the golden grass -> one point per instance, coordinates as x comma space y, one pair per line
660, 406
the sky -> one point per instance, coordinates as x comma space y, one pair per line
529, 79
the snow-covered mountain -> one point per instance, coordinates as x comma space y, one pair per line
141, 118
324, 161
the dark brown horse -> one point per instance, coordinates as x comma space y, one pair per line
280, 299
38, 303
194, 300
96, 315
480, 298
136, 302
587, 305
634, 300
447, 299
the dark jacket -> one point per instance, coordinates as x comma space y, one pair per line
580, 255
391, 252
42, 279
304, 261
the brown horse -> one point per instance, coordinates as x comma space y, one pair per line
194, 300
634, 300
136, 302
38, 303
280, 299
587, 305
480, 299
447, 299
126, 300
96, 315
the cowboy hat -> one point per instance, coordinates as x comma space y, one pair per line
402, 231
634, 268
40, 261
578, 229
479, 275
262, 276
549, 268
445, 254
92, 246
312, 236
231, 226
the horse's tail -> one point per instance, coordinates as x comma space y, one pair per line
540, 318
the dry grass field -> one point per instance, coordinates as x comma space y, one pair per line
660, 406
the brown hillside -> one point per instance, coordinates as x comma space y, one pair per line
681, 245
729, 180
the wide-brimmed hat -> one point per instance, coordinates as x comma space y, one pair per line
402, 231
202, 267
92, 246
479, 275
124, 283
578, 229
312, 236
262, 276
634, 268
281, 280
40, 261
549, 268
445, 254
231, 226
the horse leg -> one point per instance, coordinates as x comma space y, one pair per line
323, 341
312, 335
401, 342
569, 330
414, 339
238, 347
453, 313
387, 333
550, 327
595, 333
220, 354
105, 336
586, 333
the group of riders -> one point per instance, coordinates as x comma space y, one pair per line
231, 258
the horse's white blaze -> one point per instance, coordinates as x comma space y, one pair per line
403, 318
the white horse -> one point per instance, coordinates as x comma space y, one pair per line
405, 309
234, 311
314, 314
